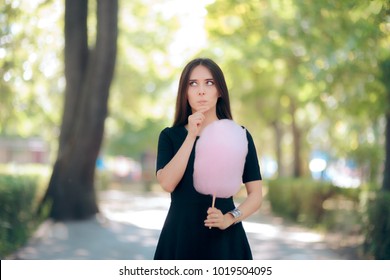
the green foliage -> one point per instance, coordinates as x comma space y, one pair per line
315, 62
300, 200
377, 240
363, 211
19, 201
141, 98
30, 79
321, 56
134, 137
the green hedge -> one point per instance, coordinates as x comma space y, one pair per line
311, 202
18, 204
364, 210
299, 199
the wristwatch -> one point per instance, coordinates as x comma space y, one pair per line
236, 213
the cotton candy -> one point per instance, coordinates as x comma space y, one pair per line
220, 154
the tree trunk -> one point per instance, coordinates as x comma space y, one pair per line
278, 146
385, 68
88, 76
386, 173
297, 166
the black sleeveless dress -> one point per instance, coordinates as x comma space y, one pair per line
184, 236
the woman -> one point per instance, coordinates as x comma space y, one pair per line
193, 229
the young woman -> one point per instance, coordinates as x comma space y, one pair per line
193, 229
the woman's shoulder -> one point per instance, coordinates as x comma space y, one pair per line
248, 134
243, 127
174, 131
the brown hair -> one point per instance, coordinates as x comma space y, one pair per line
183, 109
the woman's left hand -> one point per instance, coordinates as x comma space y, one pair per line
216, 219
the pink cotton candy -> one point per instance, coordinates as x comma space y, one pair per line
220, 154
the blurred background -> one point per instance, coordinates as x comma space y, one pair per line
309, 79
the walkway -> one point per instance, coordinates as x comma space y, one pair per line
129, 225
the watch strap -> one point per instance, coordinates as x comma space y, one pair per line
236, 213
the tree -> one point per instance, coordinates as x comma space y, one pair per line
385, 67
309, 71
88, 74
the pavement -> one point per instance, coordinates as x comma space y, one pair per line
129, 224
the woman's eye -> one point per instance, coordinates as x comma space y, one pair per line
192, 83
210, 83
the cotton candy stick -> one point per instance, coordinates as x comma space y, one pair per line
213, 204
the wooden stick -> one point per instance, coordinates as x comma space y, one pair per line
213, 204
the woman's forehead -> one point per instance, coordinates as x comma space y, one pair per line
201, 72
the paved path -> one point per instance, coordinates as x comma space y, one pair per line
129, 225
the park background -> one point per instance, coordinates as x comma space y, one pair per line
86, 87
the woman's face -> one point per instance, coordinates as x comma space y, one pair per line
202, 91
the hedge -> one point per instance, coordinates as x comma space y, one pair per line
19, 200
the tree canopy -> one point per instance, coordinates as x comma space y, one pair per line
304, 75
309, 70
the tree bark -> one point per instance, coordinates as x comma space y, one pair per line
88, 76
385, 69
297, 167
278, 131
386, 173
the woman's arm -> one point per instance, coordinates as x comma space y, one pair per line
249, 206
253, 201
169, 176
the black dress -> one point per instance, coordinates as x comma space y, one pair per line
184, 236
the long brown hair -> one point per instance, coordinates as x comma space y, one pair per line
183, 109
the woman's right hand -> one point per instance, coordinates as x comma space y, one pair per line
195, 122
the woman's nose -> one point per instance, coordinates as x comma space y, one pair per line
201, 90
